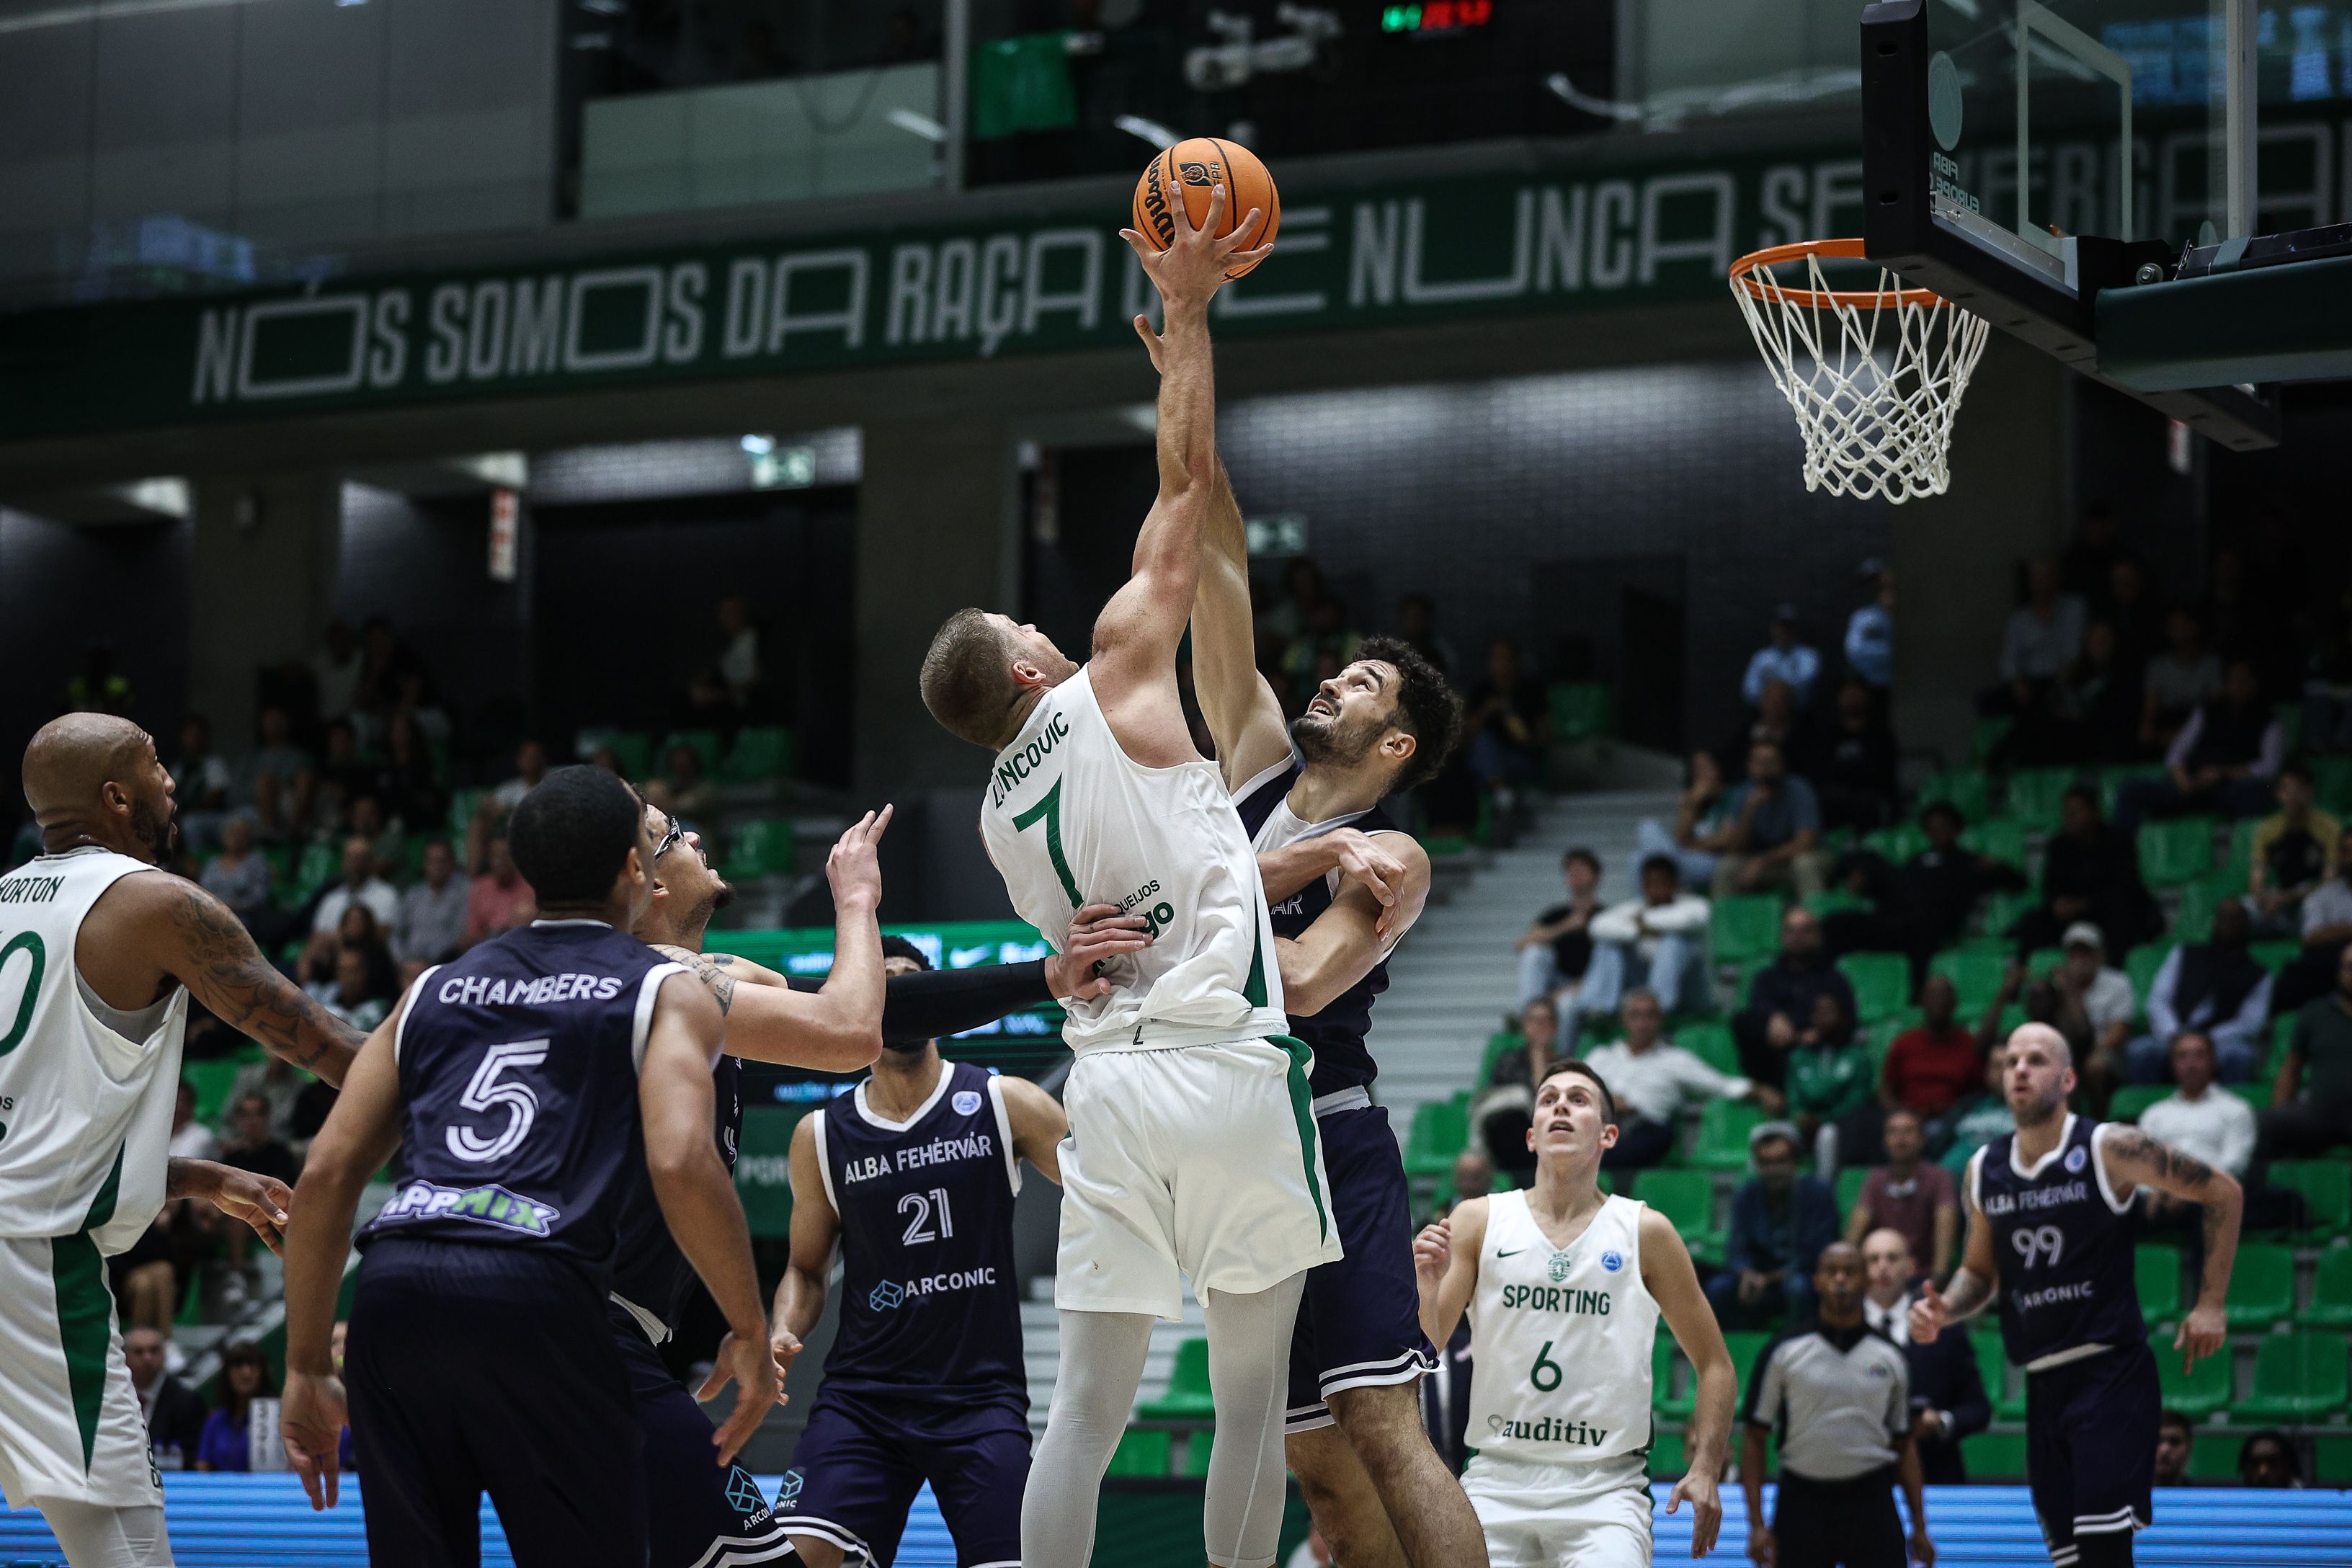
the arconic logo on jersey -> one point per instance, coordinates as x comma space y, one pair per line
891, 1293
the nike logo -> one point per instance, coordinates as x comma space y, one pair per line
1513, 1253
965, 957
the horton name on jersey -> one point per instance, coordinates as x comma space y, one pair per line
914, 1156
1548, 1430
489, 1204
1556, 1299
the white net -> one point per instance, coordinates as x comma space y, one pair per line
1874, 381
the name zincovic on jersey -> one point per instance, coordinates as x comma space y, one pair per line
30, 889
477, 990
938, 1152
2038, 1198
1018, 766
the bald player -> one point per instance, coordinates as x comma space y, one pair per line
2051, 1228
100, 952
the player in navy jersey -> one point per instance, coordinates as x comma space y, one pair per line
2050, 1226
1344, 884
693, 1510
912, 1175
526, 1085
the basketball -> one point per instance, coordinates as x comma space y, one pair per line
1192, 166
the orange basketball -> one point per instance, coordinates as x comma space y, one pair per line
1192, 167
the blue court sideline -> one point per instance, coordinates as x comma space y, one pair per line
261, 1521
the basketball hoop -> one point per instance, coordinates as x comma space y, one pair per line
1873, 375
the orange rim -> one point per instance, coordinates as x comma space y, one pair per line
1813, 298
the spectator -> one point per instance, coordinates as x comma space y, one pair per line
1770, 834
1947, 1391
1782, 1011
1841, 1399
1850, 765
1556, 951
1870, 630
531, 766
1697, 813
738, 663
1932, 895
202, 783
2210, 1123
347, 996
2043, 637
175, 1416
1302, 589
2223, 759
2294, 852
1474, 1177
413, 796
2139, 625
1417, 627
2175, 1440
1829, 1077
431, 924
2268, 1458
276, 1081
1657, 942
144, 1279
1932, 1065
1651, 1081
252, 1144
1507, 722
2090, 871
1980, 1120
2328, 686
2215, 988
2090, 714
1327, 646
1782, 659
2096, 1002
2311, 1100
1776, 719
244, 1378
388, 845
280, 778
693, 795
191, 1139
1916, 1200
1505, 1108
335, 670
498, 899
384, 659
1780, 1224
2326, 920
415, 699
344, 776
358, 884
356, 931
236, 875
2178, 680
2089, 563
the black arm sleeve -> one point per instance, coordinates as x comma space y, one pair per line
931, 1003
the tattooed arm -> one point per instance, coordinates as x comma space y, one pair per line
2130, 1158
768, 1021
1969, 1289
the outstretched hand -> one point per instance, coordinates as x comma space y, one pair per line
1097, 931
311, 1417
1432, 1251
1196, 260
1928, 1314
855, 866
750, 1364
1707, 1509
2204, 1331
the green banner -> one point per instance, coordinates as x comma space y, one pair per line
763, 1165
1592, 233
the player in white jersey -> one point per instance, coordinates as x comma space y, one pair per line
100, 952
1192, 1147
1564, 1287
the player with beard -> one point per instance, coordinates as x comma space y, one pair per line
1344, 884
694, 1508
911, 1178
100, 952
2051, 1226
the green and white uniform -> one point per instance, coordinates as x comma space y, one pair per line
86, 1100
1192, 1138
1559, 1391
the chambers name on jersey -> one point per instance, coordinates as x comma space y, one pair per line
1563, 1338
1070, 818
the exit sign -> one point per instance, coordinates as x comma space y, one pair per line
1436, 15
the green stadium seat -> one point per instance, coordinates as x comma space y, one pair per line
1198, 1447
760, 847
1723, 1129
1849, 1189
1686, 1200
2256, 1095
1994, 1455
1669, 1456
1881, 982
2004, 841
2333, 778
2262, 1286
2198, 899
2131, 1101
704, 743
2331, 1291
212, 1080
2038, 796
2178, 851
1999, 912
2333, 1450
2274, 956
2157, 1271
1580, 710
1668, 1404
1498, 1045
2240, 864
1968, 789
1992, 1366
2298, 1377
2213, 1457
2043, 960
2140, 965
1975, 975
1991, 731
1745, 1346
319, 865
1141, 1453
1745, 927
760, 752
1440, 1131
462, 805
2198, 1392
1837, 902
1188, 1386
2111, 781
2281, 1039
1748, 972
1710, 1041
1898, 843
2326, 1189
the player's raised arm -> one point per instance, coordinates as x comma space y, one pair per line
1351, 936
676, 1099
199, 941
1243, 714
2133, 1159
817, 1231
1673, 1283
1445, 1265
361, 1133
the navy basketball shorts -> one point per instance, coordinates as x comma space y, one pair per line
475, 1368
862, 1457
1359, 1320
698, 1512
2090, 1446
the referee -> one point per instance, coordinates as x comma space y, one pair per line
1839, 1394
